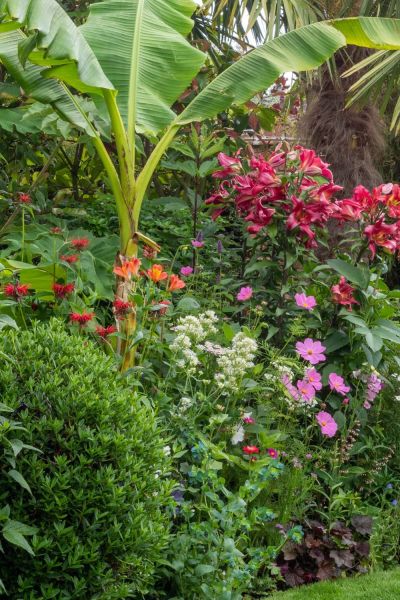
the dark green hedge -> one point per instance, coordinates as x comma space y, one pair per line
99, 486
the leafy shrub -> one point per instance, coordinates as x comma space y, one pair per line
98, 488
12, 531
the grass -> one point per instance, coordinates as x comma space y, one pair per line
377, 586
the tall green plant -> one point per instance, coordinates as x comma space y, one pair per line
133, 59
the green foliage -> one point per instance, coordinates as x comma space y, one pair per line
12, 532
98, 489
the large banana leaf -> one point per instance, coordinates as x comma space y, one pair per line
300, 50
55, 42
142, 49
47, 91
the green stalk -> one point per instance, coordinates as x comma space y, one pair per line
124, 151
145, 176
122, 209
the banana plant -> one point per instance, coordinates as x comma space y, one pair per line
132, 58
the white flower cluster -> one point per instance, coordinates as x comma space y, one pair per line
235, 361
191, 331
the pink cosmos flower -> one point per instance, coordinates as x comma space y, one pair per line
312, 376
186, 271
337, 384
367, 405
345, 401
327, 423
306, 390
244, 294
307, 302
311, 351
289, 386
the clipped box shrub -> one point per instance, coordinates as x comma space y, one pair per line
99, 485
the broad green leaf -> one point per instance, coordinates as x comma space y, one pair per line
57, 43
300, 50
187, 304
46, 91
336, 340
15, 532
370, 32
141, 47
7, 321
356, 275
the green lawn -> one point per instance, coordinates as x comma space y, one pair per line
378, 586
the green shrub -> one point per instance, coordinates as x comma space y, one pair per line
99, 487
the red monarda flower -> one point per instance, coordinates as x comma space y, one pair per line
103, 332
56, 230
62, 290
251, 450
342, 293
70, 258
81, 318
25, 198
16, 291
80, 243
121, 307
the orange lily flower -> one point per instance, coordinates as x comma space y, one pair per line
156, 273
175, 283
128, 268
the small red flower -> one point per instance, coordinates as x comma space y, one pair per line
70, 258
80, 243
16, 291
251, 450
62, 290
103, 332
56, 230
81, 318
25, 198
121, 307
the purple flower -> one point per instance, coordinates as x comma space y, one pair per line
186, 271
394, 502
198, 242
245, 293
220, 247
